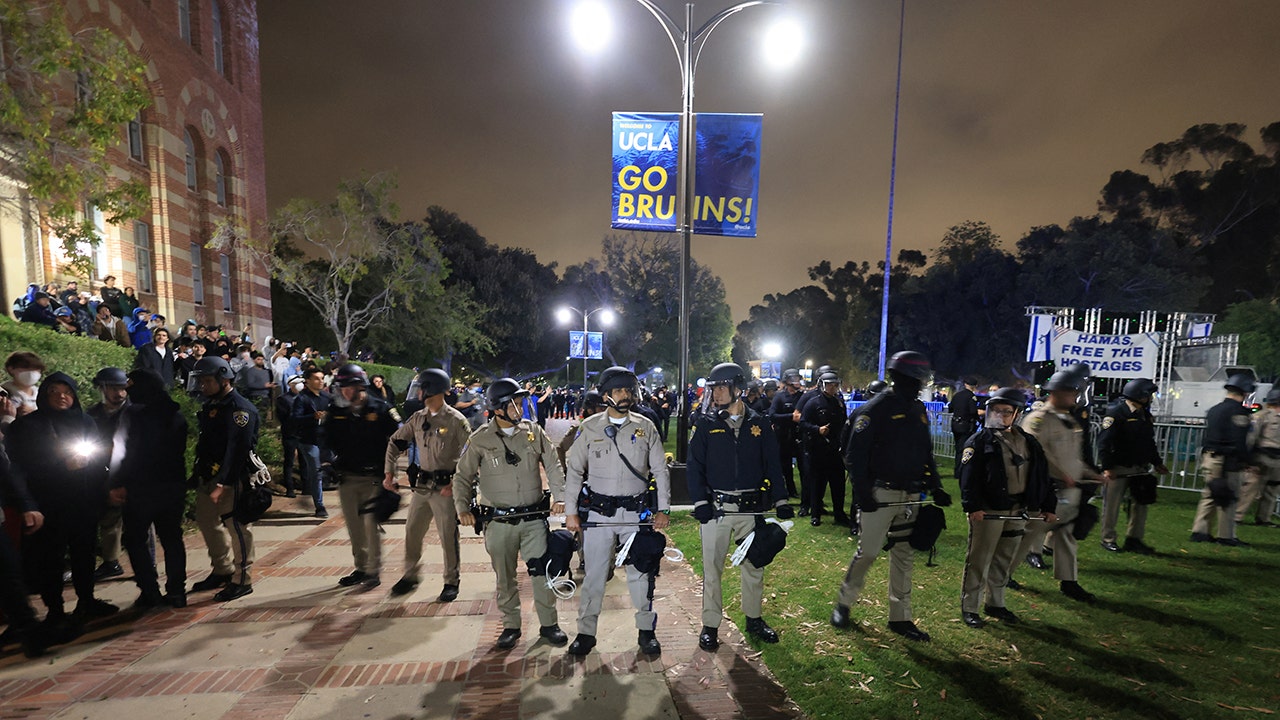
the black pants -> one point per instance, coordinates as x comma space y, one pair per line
961, 439
826, 470
786, 455
290, 447
805, 467
68, 531
13, 588
162, 507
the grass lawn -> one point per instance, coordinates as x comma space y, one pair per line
1189, 633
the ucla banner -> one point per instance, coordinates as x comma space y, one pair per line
726, 194
645, 158
586, 345
645, 177
1108, 356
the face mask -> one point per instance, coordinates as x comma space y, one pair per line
27, 378
735, 418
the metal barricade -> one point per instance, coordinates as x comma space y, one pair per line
944, 443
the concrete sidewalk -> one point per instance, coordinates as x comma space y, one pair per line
301, 647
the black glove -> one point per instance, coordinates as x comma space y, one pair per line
868, 504
941, 498
785, 512
703, 513
1220, 492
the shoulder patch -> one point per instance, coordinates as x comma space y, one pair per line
1107, 422
241, 418
1240, 420
862, 423
1033, 423
966, 456
395, 414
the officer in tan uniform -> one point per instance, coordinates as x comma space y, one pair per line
1265, 481
1223, 460
439, 432
502, 459
614, 455
1126, 448
1062, 438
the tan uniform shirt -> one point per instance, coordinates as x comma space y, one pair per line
1015, 473
1062, 440
594, 459
503, 485
1265, 433
440, 439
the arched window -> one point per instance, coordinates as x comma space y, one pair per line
190, 159
218, 64
184, 20
221, 183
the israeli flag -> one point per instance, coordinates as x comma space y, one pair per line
1038, 340
1199, 330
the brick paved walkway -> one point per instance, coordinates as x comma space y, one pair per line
300, 647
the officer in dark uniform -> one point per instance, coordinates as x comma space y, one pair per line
784, 426
964, 416
807, 481
1126, 447
228, 431
890, 460
733, 478
110, 383
358, 428
1223, 459
822, 419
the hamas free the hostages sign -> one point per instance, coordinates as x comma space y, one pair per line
1108, 356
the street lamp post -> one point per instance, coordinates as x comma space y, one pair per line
565, 313
688, 45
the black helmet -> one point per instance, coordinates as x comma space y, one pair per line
1008, 396
1241, 382
433, 382
592, 401
875, 387
828, 377
1063, 380
1273, 396
382, 506
501, 392
912, 364
214, 366
351, 375
617, 377
770, 385
792, 375
1081, 370
110, 376
1139, 390
822, 370
730, 374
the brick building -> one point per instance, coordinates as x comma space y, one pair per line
199, 149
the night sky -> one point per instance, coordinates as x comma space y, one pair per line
1013, 112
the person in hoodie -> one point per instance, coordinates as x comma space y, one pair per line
40, 312
140, 328
149, 481
58, 454
18, 612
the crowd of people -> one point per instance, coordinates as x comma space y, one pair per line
82, 484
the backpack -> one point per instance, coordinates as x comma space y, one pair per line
254, 499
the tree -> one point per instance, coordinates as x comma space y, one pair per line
348, 258
64, 98
1257, 322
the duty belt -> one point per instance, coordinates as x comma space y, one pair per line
433, 479
537, 511
608, 505
746, 500
1270, 452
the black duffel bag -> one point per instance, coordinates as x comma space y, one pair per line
1142, 488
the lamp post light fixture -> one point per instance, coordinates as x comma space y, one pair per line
591, 27
771, 350
565, 314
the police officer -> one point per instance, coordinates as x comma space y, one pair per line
1126, 446
228, 431
1223, 459
964, 416
614, 456
502, 459
890, 460
733, 478
1263, 481
1003, 471
110, 383
357, 430
822, 418
784, 425
439, 431
803, 460
1062, 438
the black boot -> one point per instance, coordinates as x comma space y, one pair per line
760, 630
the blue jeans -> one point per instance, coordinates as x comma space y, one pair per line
290, 446
310, 456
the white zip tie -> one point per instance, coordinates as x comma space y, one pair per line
621, 559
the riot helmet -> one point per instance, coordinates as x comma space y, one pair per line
351, 375
911, 364
875, 387
618, 378
1241, 383
792, 376
1139, 390
433, 382
499, 396
110, 376
215, 366
1063, 380
1273, 397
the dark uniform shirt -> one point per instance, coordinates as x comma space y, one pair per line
819, 411
890, 446
1226, 432
722, 457
228, 431
784, 403
358, 435
984, 479
1127, 438
964, 412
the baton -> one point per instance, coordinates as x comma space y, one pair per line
905, 503
591, 524
1023, 516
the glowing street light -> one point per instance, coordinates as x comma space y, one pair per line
771, 350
